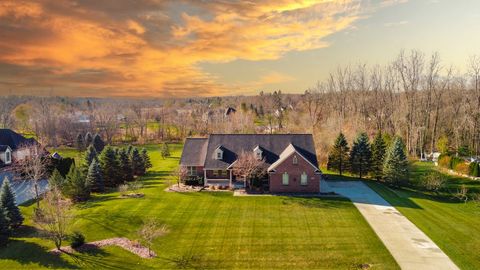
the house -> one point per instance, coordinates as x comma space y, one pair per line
290, 160
12, 146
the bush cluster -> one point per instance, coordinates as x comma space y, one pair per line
109, 168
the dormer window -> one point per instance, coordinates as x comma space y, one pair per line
218, 153
258, 152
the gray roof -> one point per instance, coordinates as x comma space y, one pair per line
194, 151
272, 146
3, 148
14, 140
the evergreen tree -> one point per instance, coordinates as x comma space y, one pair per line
89, 156
125, 166
110, 167
56, 180
129, 150
95, 178
98, 143
395, 166
378, 156
338, 157
88, 139
137, 163
165, 150
361, 155
4, 228
79, 142
146, 159
7, 203
76, 187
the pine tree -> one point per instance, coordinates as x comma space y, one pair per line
378, 156
137, 163
56, 180
165, 151
146, 159
79, 142
98, 143
338, 157
110, 167
4, 228
361, 155
95, 178
89, 156
88, 139
125, 166
7, 203
395, 166
129, 150
76, 187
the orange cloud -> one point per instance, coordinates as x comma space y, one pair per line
153, 48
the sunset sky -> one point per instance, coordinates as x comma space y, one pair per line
147, 48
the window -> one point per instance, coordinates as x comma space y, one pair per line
215, 173
191, 171
7, 157
224, 172
285, 179
295, 160
304, 179
219, 155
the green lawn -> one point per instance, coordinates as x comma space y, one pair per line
211, 230
453, 226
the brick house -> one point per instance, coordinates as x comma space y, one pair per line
290, 159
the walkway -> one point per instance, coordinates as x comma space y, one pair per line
410, 247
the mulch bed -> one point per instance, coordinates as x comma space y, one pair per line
125, 243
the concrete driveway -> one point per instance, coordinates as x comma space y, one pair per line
24, 190
410, 247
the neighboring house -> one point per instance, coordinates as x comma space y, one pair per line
12, 146
290, 159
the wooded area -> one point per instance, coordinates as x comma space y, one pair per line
430, 104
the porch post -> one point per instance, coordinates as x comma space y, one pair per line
204, 177
230, 178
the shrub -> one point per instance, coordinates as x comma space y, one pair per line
462, 168
474, 169
454, 161
77, 240
444, 161
123, 189
433, 181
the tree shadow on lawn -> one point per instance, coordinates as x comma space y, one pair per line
315, 202
96, 200
100, 259
25, 253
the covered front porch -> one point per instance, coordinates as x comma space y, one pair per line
222, 177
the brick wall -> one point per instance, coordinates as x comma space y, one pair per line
295, 171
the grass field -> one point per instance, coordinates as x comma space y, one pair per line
211, 230
453, 226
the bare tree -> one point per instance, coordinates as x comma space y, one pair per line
54, 217
179, 174
248, 166
150, 231
33, 166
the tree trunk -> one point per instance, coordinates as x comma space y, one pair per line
36, 194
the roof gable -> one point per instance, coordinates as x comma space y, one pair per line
14, 140
290, 150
